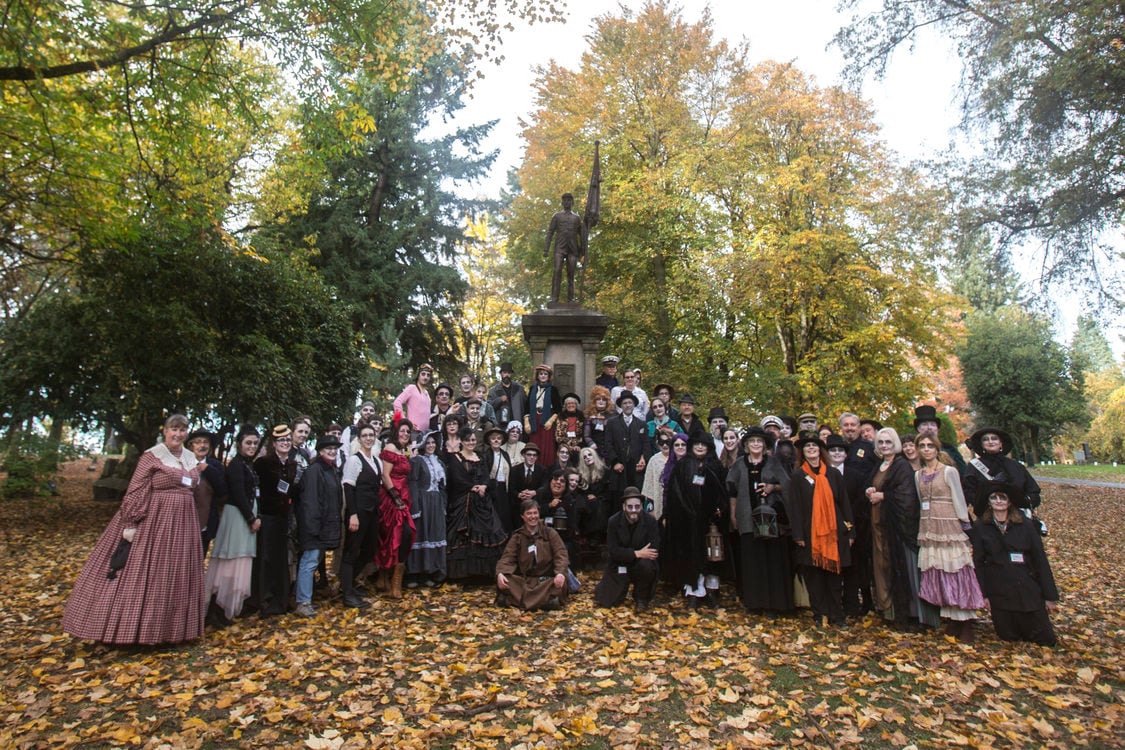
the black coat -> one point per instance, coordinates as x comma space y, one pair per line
624, 540
242, 486
625, 445
901, 507
1007, 583
318, 512
800, 501
1003, 469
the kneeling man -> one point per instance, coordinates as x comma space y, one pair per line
531, 574
634, 543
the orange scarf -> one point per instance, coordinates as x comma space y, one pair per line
825, 545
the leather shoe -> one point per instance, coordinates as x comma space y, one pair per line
354, 601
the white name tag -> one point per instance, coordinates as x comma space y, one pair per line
599, 426
1017, 557
697, 480
570, 433
622, 570
257, 492
549, 520
925, 505
185, 481
810, 480
282, 486
531, 550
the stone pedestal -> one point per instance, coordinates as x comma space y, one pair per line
567, 338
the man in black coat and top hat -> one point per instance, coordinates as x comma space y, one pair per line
524, 482
633, 540
626, 441
926, 422
717, 422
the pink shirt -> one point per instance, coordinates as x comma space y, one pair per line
414, 402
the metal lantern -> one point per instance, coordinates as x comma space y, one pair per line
715, 552
764, 519
561, 521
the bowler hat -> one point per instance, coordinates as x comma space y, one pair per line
627, 395
328, 441
631, 492
686, 398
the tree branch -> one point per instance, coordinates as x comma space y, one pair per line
172, 32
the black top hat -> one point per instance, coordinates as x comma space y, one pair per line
717, 412
836, 441
925, 413
506, 367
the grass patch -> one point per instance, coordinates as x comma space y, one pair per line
1099, 473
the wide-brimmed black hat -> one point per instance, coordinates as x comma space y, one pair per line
1015, 494
328, 441
627, 395
755, 431
925, 413
809, 436
572, 395
975, 446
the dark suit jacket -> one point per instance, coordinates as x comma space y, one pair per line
519, 481
625, 445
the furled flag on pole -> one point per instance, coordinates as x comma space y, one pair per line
591, 215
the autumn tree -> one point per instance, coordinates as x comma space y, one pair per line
1019, 378
757, 245
1044, 81
381, 221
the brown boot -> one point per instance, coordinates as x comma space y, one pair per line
968, 632
396, 581
383, 579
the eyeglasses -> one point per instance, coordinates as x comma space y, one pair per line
285, 440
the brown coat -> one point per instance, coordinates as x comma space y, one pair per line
530, 573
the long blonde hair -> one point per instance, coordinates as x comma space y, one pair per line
590, 474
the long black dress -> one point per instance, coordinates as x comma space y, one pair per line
474, 535
767, 566
694, 500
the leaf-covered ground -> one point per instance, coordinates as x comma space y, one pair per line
445, 668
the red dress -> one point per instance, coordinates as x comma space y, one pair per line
394, 521
158, 597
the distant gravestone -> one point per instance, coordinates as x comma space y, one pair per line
1079, 456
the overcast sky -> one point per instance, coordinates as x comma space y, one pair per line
915, 105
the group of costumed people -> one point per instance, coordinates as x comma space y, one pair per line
525, 486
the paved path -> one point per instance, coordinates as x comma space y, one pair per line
1083, 482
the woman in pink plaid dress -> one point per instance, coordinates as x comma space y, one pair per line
157, 597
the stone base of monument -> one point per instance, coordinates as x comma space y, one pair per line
566, 337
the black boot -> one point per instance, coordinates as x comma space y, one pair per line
216, 617
347, 584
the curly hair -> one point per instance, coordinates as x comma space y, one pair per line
597, 392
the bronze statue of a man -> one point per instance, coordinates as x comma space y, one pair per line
569, 234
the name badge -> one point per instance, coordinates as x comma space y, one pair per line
185, 481
1016, 557
257, 492
859, 453
531, 550
622, 570
282, 486
697, 480
599, 426
925, 505
810, 480
570, 433
549, 520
